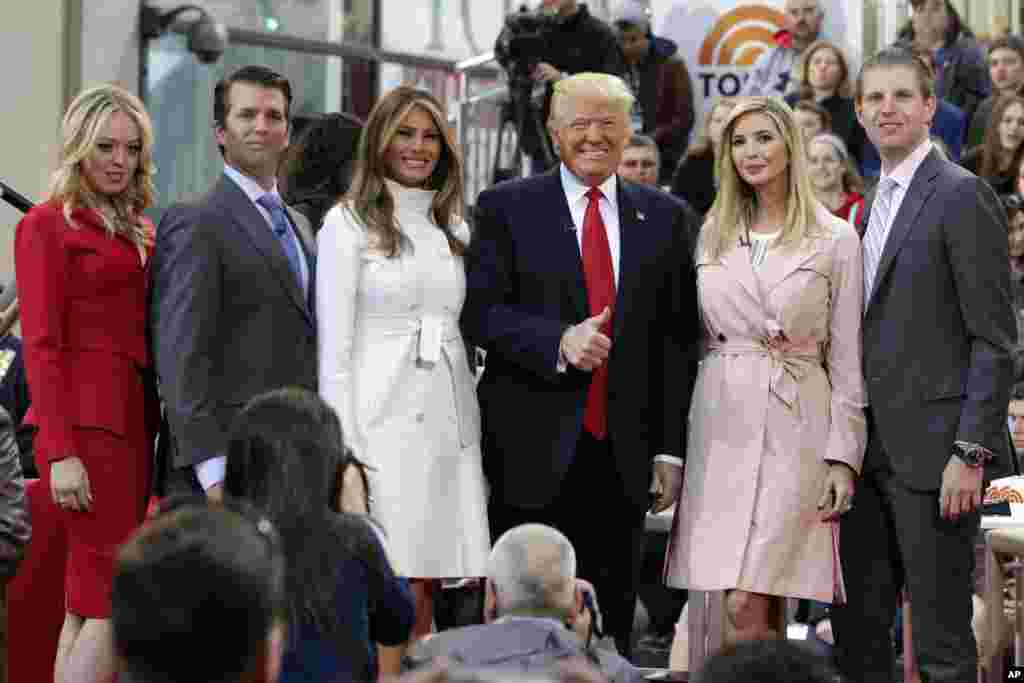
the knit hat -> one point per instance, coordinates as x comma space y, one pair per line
833, 140
632, 12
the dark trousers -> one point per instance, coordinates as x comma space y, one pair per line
893, 537
664, 604
604, 526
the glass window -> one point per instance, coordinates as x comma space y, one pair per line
332, 20
179, 95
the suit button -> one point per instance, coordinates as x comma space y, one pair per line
722, 338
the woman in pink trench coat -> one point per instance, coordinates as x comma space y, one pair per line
777, 428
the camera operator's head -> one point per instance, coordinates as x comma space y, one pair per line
589, 124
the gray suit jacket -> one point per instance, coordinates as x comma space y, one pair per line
519, 644
228, 317
939, 329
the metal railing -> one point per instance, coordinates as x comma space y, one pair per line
15, 198
475, 106
487, 139
475, 109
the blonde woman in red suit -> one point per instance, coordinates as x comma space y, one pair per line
81, 262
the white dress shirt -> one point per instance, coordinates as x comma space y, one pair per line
253, 191
576, 196
902, 175
608, 205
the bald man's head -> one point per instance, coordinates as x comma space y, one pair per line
532, 570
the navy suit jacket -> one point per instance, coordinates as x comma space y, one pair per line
228, 317
525, 287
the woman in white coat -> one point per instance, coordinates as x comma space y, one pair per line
390, 286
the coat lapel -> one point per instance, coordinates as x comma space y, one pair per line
308, 241
737, 262
565, 242
783, 262
245, 214
920, 190
631, 225
305, 234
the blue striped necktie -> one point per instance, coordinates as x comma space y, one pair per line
282, 230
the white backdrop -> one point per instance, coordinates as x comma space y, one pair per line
720, 39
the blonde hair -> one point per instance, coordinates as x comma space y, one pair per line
589, 84
735, 207
369, 195
86, 115
851, 180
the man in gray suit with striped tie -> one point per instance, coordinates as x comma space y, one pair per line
938, 335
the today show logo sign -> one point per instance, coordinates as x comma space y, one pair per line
721, 39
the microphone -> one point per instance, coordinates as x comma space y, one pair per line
15, 199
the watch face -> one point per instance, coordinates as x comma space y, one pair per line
971, 457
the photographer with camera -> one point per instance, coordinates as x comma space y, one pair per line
560, 39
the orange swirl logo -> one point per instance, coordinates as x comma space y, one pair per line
740, 36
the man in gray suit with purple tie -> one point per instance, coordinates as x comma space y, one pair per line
938, 337
233, 274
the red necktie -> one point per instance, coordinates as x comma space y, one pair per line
600, 281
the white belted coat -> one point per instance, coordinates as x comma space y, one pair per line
394, 367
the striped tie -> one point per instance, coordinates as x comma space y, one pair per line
876, 234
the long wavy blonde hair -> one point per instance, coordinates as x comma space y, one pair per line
369, 195
83, 121
735, 207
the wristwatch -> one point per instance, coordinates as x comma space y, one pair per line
972, 454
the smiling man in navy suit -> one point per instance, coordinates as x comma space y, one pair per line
580, 287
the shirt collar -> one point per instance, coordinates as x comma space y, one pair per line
249, 186
524, 617
576, 190
905, 170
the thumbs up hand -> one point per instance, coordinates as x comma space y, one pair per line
584, 345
